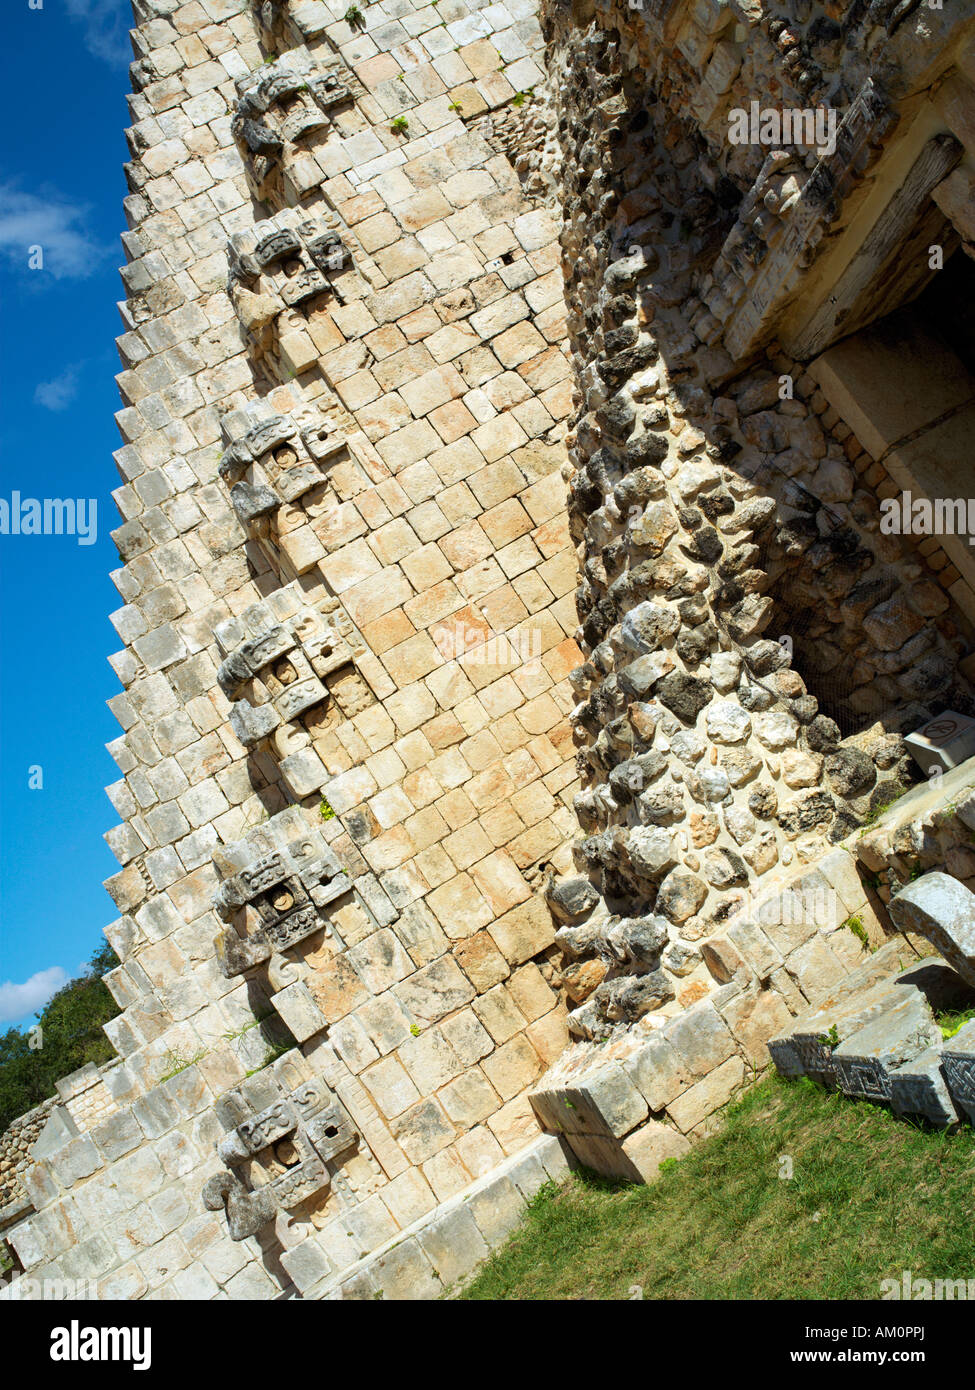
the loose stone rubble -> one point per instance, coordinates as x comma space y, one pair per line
880, 1041
942, 909
516, 669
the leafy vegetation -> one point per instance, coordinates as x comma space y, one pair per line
954, 1021
177, 1063
855, 925
881, 809
68, 1034
868, 1197
272, 1053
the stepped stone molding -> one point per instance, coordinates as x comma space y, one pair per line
880, 1041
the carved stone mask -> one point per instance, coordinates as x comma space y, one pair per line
293, 1144
283, 874
274, 459
282, 662
281, 104
284, 263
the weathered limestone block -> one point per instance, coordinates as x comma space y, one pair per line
695, 1105
943, 910
658, 1070
754, 1015
806, 1046
896, 1035
296, 1006
958, 1065
919, 1088
602, 1101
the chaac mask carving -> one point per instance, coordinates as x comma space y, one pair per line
280, 878
278, 1157
279, 106
287, 662
273, 460
279, 268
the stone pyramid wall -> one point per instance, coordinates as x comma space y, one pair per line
383, 493
348, 620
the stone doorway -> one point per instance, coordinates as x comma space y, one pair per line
906, 387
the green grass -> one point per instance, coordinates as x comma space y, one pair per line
870, 1196
178, 1063
954, 1021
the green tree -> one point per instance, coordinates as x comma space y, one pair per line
71, 1034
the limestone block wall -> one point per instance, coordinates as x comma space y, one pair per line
508, 633
18, 1139
348, 624
755, 645
711, 518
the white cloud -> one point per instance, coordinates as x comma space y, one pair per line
17, 1001
57, 226
106, 25
60, 391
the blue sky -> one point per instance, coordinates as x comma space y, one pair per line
61, 187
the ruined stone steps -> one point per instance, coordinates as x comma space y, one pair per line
880, 1041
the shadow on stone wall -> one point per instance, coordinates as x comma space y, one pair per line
756, 647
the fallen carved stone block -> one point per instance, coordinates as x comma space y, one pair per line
943, 910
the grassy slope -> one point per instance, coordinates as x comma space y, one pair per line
870, 1196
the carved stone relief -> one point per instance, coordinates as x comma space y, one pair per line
286, 664
272, 460
279, 268
281, 877
279, 106
280, 1157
